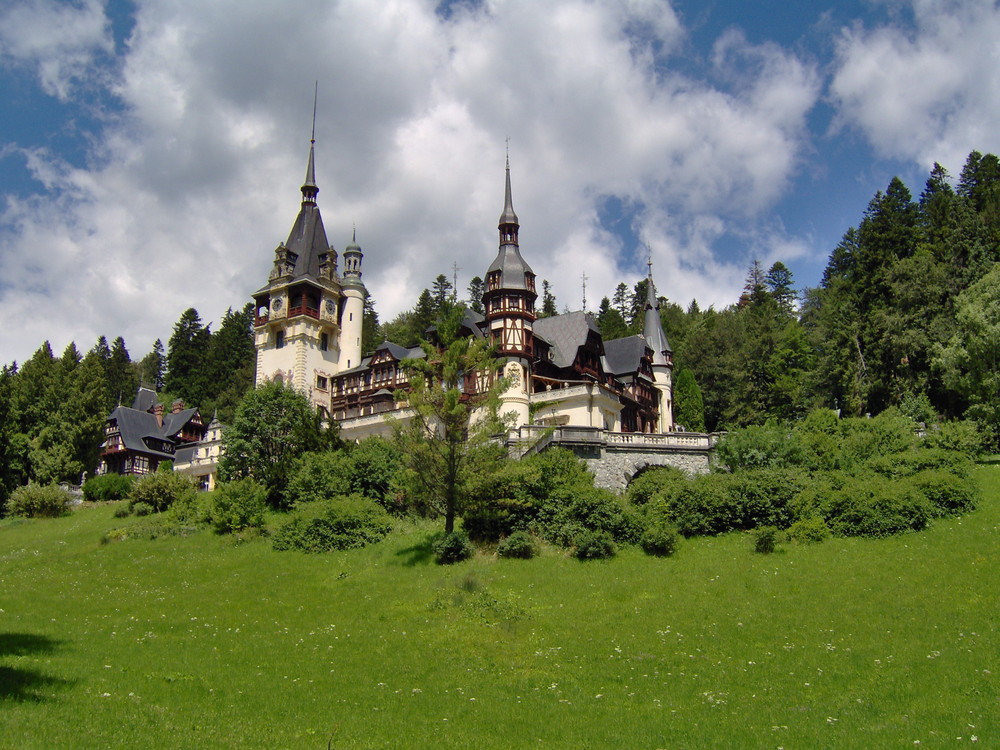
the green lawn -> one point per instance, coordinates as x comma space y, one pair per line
200, 642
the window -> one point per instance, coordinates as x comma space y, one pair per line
321, 382
279, 340
324, 341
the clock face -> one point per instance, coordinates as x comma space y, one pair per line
330, 307
276, 304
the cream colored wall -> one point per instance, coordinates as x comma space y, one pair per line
581, 405
352, 322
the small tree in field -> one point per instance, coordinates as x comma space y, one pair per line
273, 426
449, 434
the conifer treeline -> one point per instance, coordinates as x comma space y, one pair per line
53, 410
907, 314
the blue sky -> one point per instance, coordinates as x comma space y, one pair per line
151, 152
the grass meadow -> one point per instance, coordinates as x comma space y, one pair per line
205, 642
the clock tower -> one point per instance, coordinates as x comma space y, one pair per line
303, 309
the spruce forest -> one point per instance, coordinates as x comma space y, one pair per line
906, 315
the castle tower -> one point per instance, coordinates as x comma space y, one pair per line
509, 305
352, 306
663, 362
509, 299
297, 320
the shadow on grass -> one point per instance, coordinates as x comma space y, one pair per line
20, 684
420, 553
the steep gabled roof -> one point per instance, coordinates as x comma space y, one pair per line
566, 333
145, 399
135, 426
174, 423
623, 356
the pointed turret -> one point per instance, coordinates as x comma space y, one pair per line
663, 363
652, 329
509, 299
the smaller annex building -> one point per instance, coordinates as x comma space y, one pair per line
138, 438
201, 460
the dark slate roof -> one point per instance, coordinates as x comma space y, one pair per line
185, 455
145, 399
512, 267
474, 322
173, 423
622, 356
134, 426
307, 240
566, 333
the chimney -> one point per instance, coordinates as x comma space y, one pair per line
158, 413
177, 407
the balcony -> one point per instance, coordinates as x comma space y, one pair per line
312, 312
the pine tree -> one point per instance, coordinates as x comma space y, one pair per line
622, 300
424, 315
689, 407
370, 327
120, 374
779, 285
475, 291
548, 301
442, 291
187, 357
151, 367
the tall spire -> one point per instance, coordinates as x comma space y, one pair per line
508, 217
652, 329
309, 187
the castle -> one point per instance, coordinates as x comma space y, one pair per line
308, 326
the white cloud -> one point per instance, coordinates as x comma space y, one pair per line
927, 91
59, 39
198, 179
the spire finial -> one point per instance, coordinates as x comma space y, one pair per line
508, 217
312, 138
309, 187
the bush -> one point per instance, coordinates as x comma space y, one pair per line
341, 523
107, 487
918, 459
765, 540
705, 505
39, 501
550, 493
160, 490
594, 545
948, 493
374, 467
319, 476
963, 437
654, 482
565, 515
759, 447
520, 545
238, 505
142, 509
869, 505
452, 548
660, 540
809, 530
765, 496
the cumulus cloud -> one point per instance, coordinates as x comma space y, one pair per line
198, 177
59, 40
927, 89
